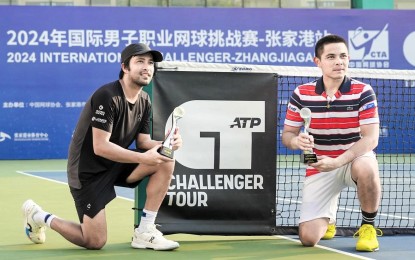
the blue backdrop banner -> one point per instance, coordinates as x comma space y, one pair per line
53, 58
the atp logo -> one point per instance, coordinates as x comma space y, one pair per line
243, 122
4, 136
369, 46
219, 133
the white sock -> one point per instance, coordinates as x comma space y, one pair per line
43, 217
49, 219
147, 218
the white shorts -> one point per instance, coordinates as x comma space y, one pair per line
321, 192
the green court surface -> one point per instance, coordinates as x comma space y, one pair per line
55, 197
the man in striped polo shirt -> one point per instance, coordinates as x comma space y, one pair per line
344, 131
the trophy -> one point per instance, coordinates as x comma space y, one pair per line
307, 156
167, 149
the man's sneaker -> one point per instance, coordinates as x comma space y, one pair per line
35, 231
368, 241
152, 238
330, 232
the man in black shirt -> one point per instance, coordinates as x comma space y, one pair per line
115, 116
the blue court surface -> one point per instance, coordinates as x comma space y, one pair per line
391, 247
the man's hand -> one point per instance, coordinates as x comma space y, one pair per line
153, 158
177, 140
325, 164
304, 142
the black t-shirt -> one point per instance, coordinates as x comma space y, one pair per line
107, 109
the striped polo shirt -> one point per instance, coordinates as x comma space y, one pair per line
335, 122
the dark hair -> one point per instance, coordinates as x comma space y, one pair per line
127, 66
318, 50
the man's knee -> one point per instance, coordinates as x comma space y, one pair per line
365, 169
94, 231
310, 232
167, 168
95, 243
308, 239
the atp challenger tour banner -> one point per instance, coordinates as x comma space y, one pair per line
53, 58
224, 179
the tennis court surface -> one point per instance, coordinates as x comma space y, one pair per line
45, 182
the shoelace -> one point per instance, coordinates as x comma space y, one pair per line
367, 232
154, 229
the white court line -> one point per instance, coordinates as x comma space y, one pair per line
328, 248
43, 178
60, 182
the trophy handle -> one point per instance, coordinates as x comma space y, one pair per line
305, 114
167, 149
171, 133
307, 156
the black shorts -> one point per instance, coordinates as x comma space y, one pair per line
100, 190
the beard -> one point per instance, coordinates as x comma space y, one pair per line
142, 80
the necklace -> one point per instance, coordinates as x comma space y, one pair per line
330, 100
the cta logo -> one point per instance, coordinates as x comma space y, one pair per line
369, 48
219, 133
4, 136
408, 48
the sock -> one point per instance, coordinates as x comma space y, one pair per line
368, 218
48, 219
43, 217
147, 218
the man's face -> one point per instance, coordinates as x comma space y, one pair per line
334, 60
141, 69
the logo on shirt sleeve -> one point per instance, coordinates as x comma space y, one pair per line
99, 111
99, 120
293, 108
368, 106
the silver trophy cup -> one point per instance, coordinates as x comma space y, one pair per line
167, 149
307, 156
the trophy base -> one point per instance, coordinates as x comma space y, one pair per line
308, 158
166, 152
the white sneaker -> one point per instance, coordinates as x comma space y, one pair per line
152, 238
34, 231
